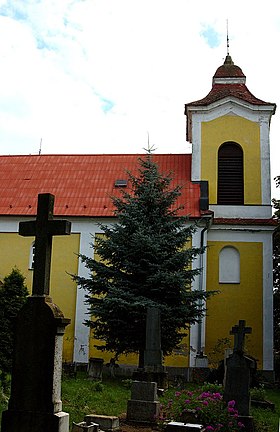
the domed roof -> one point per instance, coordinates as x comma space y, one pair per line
228, 81
229, 70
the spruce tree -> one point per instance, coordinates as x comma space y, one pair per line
145, 260
13, 294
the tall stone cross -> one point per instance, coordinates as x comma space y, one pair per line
239, 332
44, 228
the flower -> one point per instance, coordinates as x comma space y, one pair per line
203, 406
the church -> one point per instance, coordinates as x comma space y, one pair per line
226, 191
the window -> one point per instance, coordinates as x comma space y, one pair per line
230, 174
229, 265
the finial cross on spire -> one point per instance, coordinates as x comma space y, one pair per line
44, 228
239, 332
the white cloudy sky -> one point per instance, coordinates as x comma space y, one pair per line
96, 76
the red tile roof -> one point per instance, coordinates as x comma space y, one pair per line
239, 221
229, 80
221, 91
83, 184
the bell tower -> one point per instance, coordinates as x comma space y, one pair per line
229, 131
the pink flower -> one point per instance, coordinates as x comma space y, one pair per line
177, 394
187, 401
205, 403
240, 425
231, 403
209, 428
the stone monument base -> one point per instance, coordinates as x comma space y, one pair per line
144, 405
142, 411
31, 421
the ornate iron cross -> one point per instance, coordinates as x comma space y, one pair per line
43, 228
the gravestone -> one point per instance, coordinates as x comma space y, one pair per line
153, 370
143, 407
95, 368
35, 402
238, 375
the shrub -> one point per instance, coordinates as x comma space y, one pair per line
206, 407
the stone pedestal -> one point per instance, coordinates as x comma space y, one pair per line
144, 405
95, 368
237, 382
106, 423
35, 403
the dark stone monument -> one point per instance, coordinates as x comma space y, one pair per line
153, 370
35, 403
238, 375
143, 407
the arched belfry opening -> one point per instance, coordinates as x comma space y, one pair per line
230, 174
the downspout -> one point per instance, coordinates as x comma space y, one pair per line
208, 222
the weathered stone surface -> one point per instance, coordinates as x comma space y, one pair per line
95, 368
84, 427
145, 391
24, 421
142, 411
238, 372
106, 423
35, 403
184, 427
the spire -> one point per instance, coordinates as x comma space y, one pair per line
228, 59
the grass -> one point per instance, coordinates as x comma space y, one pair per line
82, 396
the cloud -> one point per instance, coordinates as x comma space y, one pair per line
96, 76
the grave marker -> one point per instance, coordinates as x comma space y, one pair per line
35, 403
238, 375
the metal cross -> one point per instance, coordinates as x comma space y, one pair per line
239, 332
43, 228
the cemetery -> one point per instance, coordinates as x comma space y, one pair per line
142, 301
152, 401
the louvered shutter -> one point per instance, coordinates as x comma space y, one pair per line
230, 174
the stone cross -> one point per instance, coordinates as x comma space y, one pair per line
239, 332
44, 228
35, 403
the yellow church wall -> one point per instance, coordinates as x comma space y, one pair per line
179, 358
242, 131
236, 302
62, 289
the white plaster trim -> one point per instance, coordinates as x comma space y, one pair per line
265, 161
198, 283
268, 363
242, 212
81, 332
236, 80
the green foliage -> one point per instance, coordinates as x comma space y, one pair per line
13, 294
204, 407
258, 393
218, 351
98, 386
81, 397
144, 263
